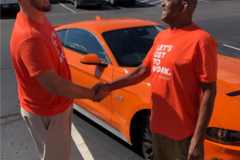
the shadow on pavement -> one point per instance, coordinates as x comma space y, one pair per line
105, 132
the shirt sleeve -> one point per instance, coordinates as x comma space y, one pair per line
35, 56
205, 63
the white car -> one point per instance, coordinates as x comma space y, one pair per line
9, 5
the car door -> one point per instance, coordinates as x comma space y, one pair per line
129, 47
80, 41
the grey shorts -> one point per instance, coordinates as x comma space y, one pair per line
51, 135
165, 148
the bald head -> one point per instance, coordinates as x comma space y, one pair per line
178, 13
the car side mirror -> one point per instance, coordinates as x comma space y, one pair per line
92, 59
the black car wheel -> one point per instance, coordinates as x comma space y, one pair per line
99, 5
147, 140
141, 135
132, 3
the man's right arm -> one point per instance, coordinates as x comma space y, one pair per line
33, 52
133, 77
62, 87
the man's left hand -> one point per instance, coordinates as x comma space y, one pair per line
196, 150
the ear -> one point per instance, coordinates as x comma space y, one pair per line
184, 6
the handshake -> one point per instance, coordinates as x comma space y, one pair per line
101, 91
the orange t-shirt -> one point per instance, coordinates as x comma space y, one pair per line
179, 59
35, 48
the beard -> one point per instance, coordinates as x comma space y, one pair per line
36, 4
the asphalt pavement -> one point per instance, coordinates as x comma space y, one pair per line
220, 18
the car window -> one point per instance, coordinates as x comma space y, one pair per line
84, 42
61, 35
131, 45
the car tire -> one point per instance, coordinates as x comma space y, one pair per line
142, 137
99, 5
76, 5
146, 139
132, 3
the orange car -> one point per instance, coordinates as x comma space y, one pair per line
103, 50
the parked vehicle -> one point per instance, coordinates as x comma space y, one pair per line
114, 2
103, 50
9, 5
80, 3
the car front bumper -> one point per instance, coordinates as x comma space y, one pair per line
216, 151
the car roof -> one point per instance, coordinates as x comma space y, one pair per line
103, 25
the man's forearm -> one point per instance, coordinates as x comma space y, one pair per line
54, 84
205, 114
133, 77
68, 89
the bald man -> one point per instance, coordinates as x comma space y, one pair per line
44, 81
182, 64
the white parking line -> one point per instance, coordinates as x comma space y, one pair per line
67, 7
155, 2
231, 47
79, 142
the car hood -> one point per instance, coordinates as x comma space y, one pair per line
227, 104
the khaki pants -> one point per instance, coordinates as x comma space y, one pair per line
165, 148
51, 135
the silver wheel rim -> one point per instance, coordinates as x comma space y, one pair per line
75, 3
147, 142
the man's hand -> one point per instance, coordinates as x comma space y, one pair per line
106, 87
100, 94
196, 150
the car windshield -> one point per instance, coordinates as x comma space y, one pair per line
131, 45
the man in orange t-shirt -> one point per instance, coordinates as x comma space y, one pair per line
44, 81
183, 67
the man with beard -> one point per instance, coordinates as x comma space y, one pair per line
44, 81
182, 64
